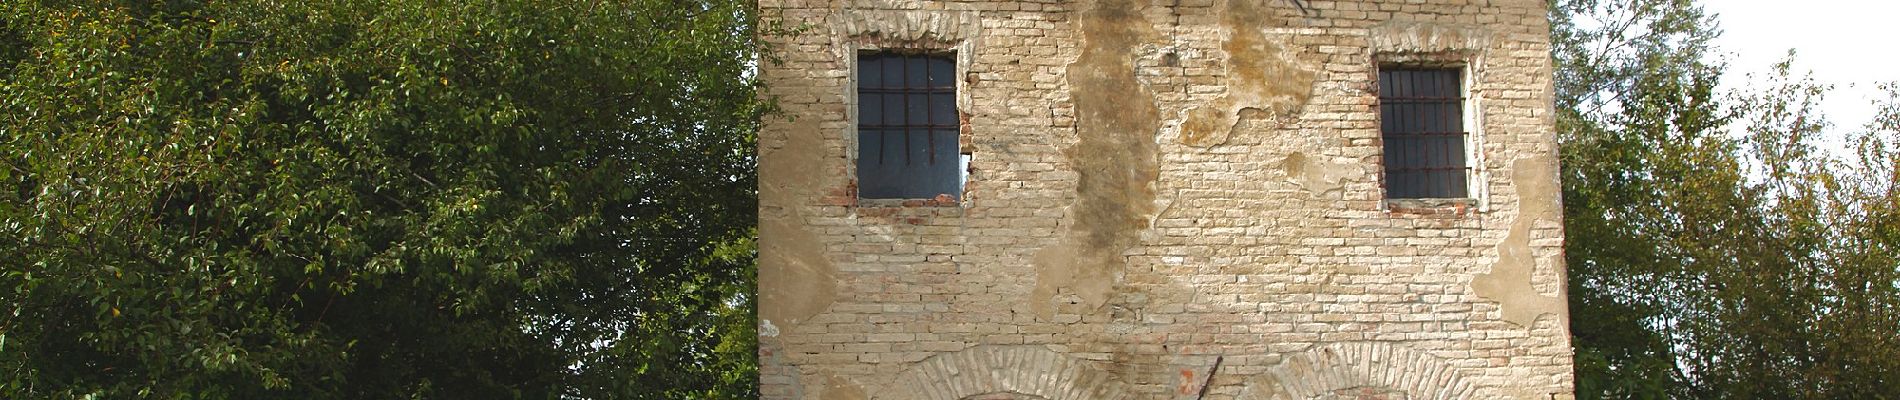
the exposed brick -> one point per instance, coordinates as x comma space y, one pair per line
1273, 248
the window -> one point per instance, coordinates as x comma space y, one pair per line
1421, 113
907, 126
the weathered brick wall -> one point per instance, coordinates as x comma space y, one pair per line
1158, 187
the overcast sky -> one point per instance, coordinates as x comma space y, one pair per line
1843, 42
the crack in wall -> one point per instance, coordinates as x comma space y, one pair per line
1115, 156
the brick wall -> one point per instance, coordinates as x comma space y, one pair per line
1157, 188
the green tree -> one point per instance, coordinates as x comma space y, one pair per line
377, 199
1717, 250
1637, 110
1815, 316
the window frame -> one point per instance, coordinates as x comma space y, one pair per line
958, 55
1470, 73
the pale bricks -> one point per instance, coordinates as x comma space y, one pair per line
1241, 262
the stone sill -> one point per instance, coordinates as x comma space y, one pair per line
1441, 208
942, 200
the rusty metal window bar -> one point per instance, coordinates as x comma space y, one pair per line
907, 126
1421, 114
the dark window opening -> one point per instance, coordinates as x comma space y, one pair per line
1421, 114
907, 126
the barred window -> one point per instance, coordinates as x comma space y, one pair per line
907, 126
1421, 114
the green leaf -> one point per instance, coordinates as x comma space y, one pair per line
351, 157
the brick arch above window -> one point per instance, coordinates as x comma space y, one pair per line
1344, 370
926, 29
1027, 372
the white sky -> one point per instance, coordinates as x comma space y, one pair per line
1846, 43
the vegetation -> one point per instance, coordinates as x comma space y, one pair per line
503, 198
1717, 249
376, 199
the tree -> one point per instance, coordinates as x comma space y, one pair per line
377, 199
1819, 317
1716, 250
1637, 107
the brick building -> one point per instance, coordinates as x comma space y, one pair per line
1147, 199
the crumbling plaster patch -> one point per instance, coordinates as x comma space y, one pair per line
1509, 282
796, 281
1322, 179
1266, 78
1115, 156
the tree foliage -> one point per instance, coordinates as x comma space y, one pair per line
1716, 249
1636, 104
376, 199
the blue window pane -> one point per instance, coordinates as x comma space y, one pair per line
916, 72
943, 73
870, 109
893, 71
870, 71
917, 109
943, 109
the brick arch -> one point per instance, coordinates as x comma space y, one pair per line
1004, 396
1334, 369
977, 372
